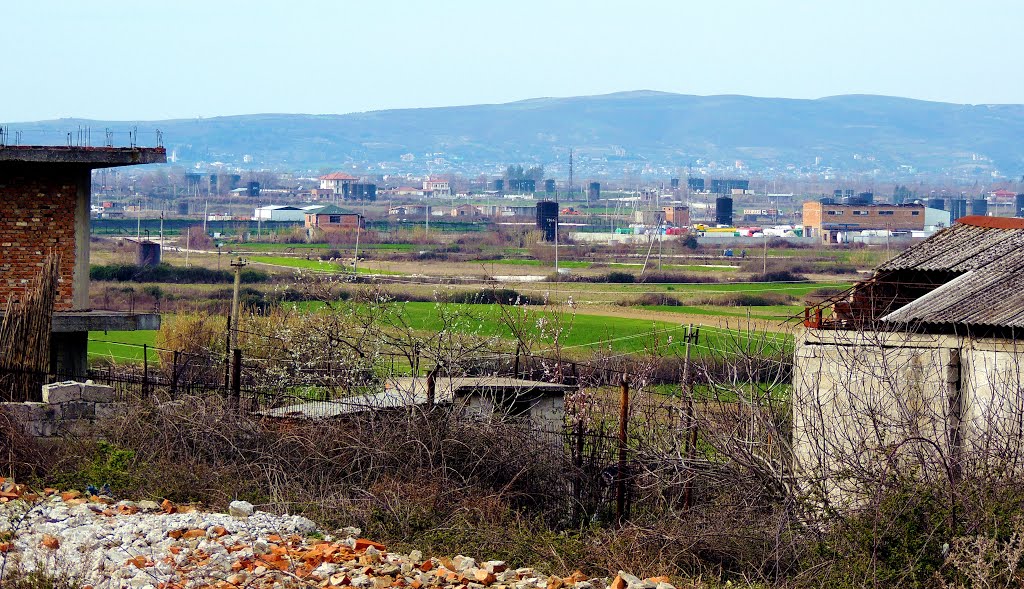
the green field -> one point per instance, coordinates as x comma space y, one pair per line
314, 265
580, 332
122, 346
284, 247
770, 312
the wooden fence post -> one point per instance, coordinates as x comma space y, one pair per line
236, 379
620, 474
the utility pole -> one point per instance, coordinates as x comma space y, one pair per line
570, 175
138, 219
555, 220
233, 334
355, 260
206, 214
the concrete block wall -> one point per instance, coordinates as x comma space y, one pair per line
68, 408
38, 215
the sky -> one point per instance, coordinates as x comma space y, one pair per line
142, 60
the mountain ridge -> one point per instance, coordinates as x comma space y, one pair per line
858, 133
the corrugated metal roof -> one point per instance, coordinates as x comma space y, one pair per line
990, 291
960, 248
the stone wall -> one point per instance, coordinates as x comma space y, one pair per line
68, 408
38, 216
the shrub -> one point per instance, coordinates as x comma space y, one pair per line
172, 274
493, 296
652, 300
620, 278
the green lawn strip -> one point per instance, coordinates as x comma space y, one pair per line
122, 346
315, 265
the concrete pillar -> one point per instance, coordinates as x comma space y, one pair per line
80, 282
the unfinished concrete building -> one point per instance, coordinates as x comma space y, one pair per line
44, 199
918, 367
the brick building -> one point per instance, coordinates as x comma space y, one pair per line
677, 215
45, 195
332, 217
825, 221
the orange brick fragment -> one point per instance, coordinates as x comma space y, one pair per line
69, 495
50, 542
617, 583
427, 565
5, 547
194, 533
482, 576
167, 506
363, 544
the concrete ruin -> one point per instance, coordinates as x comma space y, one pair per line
44, 206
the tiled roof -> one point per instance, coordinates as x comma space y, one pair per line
338, 176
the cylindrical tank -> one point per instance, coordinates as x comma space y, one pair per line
549, 185
979, 206
594, 191
499, 184
547, 218
1018, 203
936, 203
723, 211
149, 253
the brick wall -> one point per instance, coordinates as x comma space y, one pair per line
36, 215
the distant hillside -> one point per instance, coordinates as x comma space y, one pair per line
853, 133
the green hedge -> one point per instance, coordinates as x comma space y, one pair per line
172, 274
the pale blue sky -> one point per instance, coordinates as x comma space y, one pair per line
135, 60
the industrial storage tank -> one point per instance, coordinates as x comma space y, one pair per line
936, 203
549, 185
547, 218
149, 253
723, 211
979, 206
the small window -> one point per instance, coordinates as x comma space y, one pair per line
861, 213
834, 212
335, 219
885, 213
915, 213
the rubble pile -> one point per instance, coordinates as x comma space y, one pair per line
101, 543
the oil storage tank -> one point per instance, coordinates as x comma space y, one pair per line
547, 218
723, 211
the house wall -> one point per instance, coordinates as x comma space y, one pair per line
38, 213
865, 400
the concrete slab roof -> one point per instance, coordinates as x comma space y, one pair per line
411, 392
88, 157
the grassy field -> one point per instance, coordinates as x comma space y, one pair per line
284, 247
314, 265
122, 346
576, 332
773, 312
